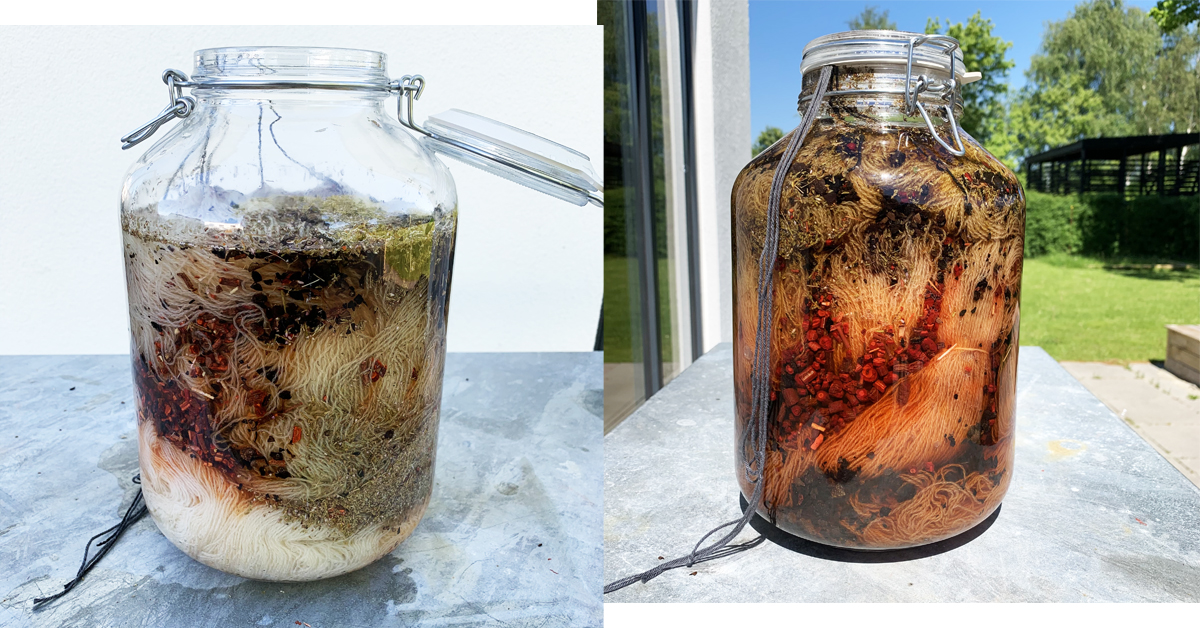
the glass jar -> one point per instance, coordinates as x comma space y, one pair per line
288, 255
896, 289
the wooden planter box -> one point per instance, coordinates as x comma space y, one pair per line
1183, 352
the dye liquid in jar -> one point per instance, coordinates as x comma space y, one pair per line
288, 385
894, 327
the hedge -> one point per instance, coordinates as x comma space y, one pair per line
1105, 225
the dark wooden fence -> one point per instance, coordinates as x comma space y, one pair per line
1164, 165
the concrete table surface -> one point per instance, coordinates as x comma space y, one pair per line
1093, 512
511, 537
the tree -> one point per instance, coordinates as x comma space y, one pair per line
1171, 14
617, 225
1054, 115
871, 19
983, 106
769, 136
618, 116
1105, 71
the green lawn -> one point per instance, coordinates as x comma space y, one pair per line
618, 317
1076, 309
619, 340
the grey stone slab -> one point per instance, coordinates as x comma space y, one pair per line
1093, 512
1160, 407
484, 554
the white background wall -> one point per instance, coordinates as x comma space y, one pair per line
528, 273
722, 103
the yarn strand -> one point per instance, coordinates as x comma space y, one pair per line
136, 510
755, 437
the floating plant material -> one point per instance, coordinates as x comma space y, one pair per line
288, 383
894, 327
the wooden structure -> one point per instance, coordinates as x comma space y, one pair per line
1183, 352
1165, 165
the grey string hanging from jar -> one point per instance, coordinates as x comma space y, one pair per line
755, 436
136, 510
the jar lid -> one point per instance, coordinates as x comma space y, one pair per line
513, 154
883, 47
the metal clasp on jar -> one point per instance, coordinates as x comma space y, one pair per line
179, 106
925, 84
915, 86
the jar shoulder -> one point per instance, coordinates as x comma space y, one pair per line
892, 161
876, 153
852, 177
219, 159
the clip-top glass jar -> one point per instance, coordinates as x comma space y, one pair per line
288, 254
896, 286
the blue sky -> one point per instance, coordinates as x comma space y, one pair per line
779, 29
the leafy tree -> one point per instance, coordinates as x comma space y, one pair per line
617, 225
1105, 71
769, 136
871, 18
1053, 115
983, 106
1171, 14
618, 107
1173, 100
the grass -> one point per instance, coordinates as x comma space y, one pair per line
620, 341
1076, 309
619, 321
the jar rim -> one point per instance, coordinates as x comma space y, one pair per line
882, 47
280, 67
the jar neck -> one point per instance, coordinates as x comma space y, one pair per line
296, 104
877, 93
293, 96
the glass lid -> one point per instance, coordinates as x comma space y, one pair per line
516, 155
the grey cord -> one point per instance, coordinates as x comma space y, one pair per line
755, 436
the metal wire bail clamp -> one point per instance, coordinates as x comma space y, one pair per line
409, 88
179, 106
923, 83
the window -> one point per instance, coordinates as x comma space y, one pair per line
651, 262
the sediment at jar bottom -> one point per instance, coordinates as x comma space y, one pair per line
209, 519
894, 335
287, 401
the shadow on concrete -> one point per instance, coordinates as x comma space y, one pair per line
842, 555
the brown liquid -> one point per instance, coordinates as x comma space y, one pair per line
894, 335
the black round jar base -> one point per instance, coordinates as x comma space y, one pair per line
818, 549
